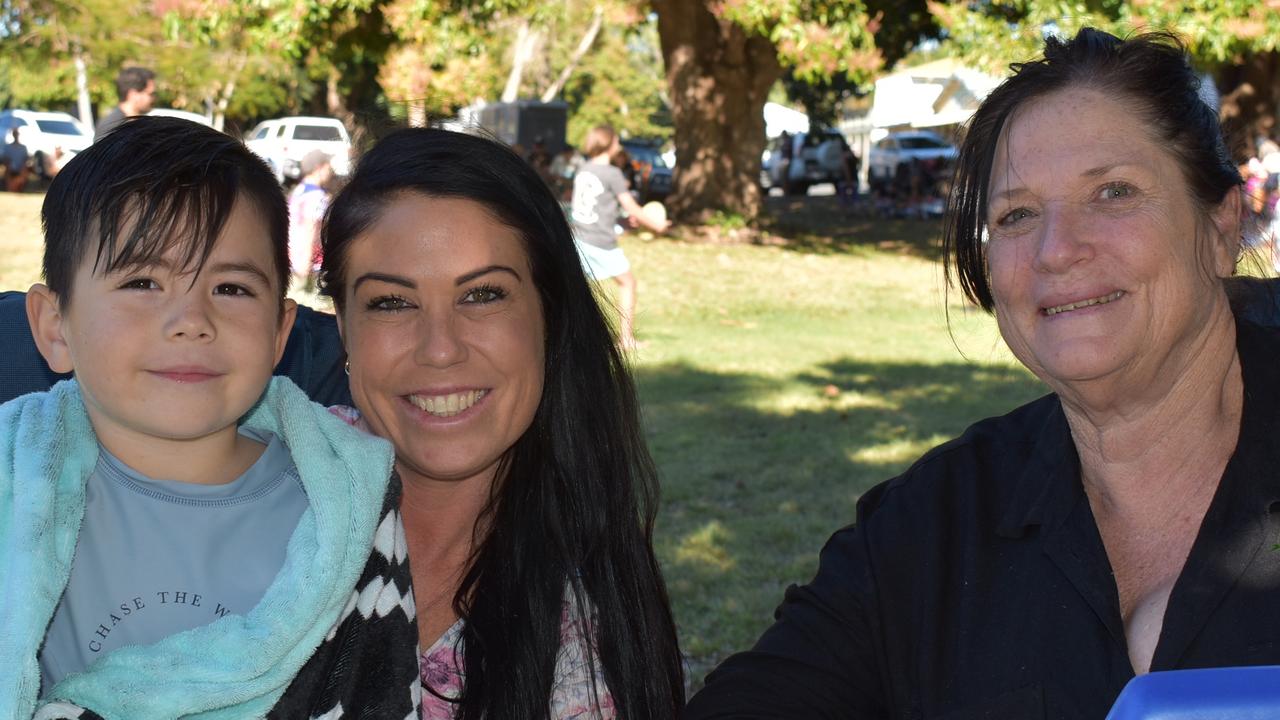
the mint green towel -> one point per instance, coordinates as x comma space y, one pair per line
235, 667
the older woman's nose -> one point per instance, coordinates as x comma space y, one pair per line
1063, 240
440, 341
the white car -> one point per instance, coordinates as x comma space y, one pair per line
283, 143
183, 114
46, 135
903, 147
816, 157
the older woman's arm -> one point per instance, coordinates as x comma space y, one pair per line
820, 657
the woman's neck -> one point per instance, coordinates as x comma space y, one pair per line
1139, 448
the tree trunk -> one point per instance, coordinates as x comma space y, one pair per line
83, 105
527, 41
1250, 95
719, 78
583, 46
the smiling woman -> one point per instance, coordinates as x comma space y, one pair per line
476, 347
1034, 565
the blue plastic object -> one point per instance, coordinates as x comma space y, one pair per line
1239, 693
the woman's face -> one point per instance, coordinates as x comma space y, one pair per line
443, 327
1101, 264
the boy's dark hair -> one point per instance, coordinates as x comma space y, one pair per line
132, 78
152, 184
1151, 73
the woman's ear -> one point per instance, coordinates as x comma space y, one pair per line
1227, 242
48, 327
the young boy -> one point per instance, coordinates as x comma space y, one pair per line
178, 533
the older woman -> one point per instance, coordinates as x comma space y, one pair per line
476, 347
1120, 525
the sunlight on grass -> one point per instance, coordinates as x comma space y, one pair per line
705, 548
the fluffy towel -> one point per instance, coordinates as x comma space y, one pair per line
239, 666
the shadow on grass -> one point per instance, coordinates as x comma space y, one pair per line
758, 471
821, 225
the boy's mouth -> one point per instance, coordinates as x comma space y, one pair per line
186, 374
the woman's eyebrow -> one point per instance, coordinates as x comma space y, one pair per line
386, 278
463, 279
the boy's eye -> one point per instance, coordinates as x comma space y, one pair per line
232, 289
484, 294
388, 303
139, 284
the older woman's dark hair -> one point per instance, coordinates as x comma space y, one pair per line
1152, 72
576, 496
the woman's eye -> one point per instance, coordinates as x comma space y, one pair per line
388, 303
484, 294
1115, 191
1013, 216
232, 289
139, 284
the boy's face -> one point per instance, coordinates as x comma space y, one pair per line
162, 355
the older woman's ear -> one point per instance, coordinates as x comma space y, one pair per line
1226, 241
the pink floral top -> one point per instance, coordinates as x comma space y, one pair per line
579, 691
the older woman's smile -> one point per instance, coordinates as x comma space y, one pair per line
1079, 304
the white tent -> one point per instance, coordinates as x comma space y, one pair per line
780, 118
943, 92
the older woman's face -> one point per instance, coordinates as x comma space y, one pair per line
1096, 268
444, 331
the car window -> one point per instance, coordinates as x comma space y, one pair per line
58, 127
885, 144
322, 133
920, 143
280, 131
262, 132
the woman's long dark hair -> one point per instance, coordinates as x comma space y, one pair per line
576, 496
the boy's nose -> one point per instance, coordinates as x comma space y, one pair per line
190, 319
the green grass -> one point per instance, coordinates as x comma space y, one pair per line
780, 381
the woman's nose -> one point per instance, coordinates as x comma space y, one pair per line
440, 341
1063, 240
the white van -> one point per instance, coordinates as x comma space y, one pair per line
283, 143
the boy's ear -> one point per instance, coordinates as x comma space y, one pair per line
45, 317
288, 313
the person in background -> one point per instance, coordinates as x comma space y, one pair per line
1121, 525
600, 194
307, 204
17, 165
136, 89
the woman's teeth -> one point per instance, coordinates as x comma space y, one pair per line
1103, 300
447, 405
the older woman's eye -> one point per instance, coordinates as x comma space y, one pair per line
388, 303
484, 294
1115, 191
1013, 216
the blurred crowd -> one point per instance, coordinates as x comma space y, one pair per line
1261, 174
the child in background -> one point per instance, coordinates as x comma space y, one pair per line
307, 204
600, 194
179, 534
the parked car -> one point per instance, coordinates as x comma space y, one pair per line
283, 143
650, 176
816, 158
184, 114
903, 147
50, 137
